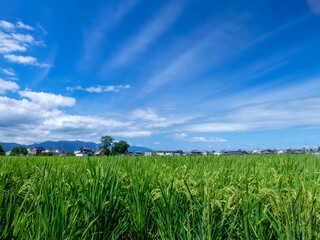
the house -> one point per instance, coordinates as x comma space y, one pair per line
8, 153
149, 154
84, 151
295, 151
205, 153
160, 153
177, 153
255, 152
168, 153
195, 153
54, 151
280, 151
268, 151
99, 151
135, 153
34, 151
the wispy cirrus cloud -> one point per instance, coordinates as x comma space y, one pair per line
314, 6
24, 26
186, 137
209, 38
263, 116
99, 89
8, 71
148, 34
106, 18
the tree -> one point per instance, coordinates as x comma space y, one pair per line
2, 152
318, 149
106, 142
120, 148
19, 151
69, 153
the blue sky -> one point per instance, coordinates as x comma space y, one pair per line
161, 74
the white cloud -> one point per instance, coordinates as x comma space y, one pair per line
26, 121
28, 60
146, 114
8, 44
24, 26
6, 25
264, 116
37, 118
149, 33
207, 139
131, 134
12, 41
99, 89
8, 71
186, 137
7, 86
48, 100
23, 37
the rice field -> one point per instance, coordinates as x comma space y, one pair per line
205, 197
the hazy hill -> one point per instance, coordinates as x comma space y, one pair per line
67, 145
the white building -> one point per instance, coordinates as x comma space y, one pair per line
149, 154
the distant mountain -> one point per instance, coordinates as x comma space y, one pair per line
8, 146
67, 145
140, 149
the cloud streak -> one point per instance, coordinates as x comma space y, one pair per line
264, 116
99, 89
106, 19
186, 137
149, 33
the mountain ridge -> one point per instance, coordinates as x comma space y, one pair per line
66, 145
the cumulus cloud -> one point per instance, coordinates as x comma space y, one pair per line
38, 117
12, 40
7, 86
99, 89
6, 25
8, 44
48, 100
28, 60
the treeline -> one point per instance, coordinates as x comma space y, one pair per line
113, 148
109, 146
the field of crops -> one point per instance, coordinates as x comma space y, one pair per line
213, 197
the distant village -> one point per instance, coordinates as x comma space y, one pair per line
85, 151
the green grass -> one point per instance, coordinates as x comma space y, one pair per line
212, 197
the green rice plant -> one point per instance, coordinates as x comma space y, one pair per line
187, 197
